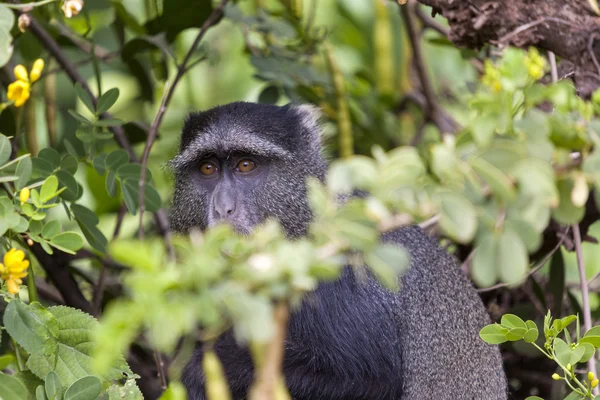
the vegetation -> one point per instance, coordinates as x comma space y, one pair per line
489, 149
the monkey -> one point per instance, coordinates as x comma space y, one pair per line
242, 163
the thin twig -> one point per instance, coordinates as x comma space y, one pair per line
431, 23
585, 297
78, 41
214, 17
535, 269
590, 48
434, 112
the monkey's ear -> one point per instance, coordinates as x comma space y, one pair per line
310, 118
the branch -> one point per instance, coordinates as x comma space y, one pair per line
585, 297
433, 111
213, 19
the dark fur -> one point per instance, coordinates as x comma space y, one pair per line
350, 340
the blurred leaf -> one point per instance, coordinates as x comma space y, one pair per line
116, 159
23, 171
84, 97
51, 229
80, 117
87, 221
69, 242
458, 218
512, 261
269, 95
11, 388
5, 149
6, 48
567, 213
86, 388
179, 15
107, 100
53, 386
484, 270
72, 190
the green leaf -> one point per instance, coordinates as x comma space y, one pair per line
534, 398
33, 328
512, 258
116, 159
6, 360
42, 167
100, 163
72, 190
132, 171
589, 352
483, 130
111, 184
567, 213
515, 334
484, 271
40, 393
30, 381
5, 149
11, 388
387, 262
86, 388
109, 122
6, 48
23, 171
493, 334
7, 18
458, 217
51, 229
87, 221
592, 337
53, 386
49, 189
51, 156
175, 391
565, 354
513, 321
69, 242
69, 164
499, 182
85, 98
75, 331
129, 391
107, 100
80, 117
532, 332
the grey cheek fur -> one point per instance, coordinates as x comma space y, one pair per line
351, 339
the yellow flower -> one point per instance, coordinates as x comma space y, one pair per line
594, 383
72, 7
36, 70
556, 377
14, 269
18, 91
21, 73
24, 195
591, 376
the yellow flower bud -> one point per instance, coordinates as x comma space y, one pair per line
591, 376
21, 73
29, 242
36, 70
18, 92
569, 367
594, 383
24, 195
556, 377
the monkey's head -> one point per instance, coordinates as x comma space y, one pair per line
244, 162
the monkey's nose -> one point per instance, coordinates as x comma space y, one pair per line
224, 205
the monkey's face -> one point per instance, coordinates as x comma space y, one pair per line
231, 187
242, 163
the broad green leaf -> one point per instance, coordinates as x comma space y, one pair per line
7, 18
484, 271
493, 334
111, 184
72, 190
51, 156
85, 98
513, 321
532, 332
42, 167
69, 242
23, 171
53, 386
592, 337
589, 352
69, 164
100, 163
86, 388
458, 217
33, 328
499, 182
512, 258
132, 171
483, 130
30, 381
6, 48
51, 229
567, 213
73, 355
129, 391
40, 393
116, 159
49, 189
107, 100
11, 388
87, 221
515, 334
80, 117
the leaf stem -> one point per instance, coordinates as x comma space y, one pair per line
27, 5
20, 364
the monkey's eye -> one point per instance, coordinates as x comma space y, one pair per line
208, 169
245, 166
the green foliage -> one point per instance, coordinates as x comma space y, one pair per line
565, 353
